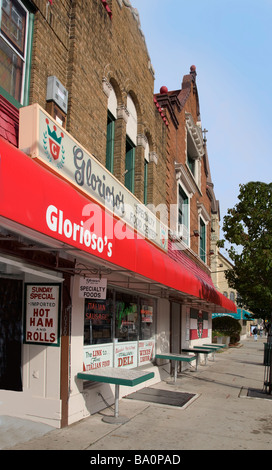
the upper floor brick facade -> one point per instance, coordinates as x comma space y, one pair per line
152, 144
189, 184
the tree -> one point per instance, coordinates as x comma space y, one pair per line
248, 228
227, 326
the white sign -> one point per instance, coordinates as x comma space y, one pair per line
98, 356
42, 320
93, 288
146, 351
125, 355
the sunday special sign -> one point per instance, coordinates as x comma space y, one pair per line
42, 314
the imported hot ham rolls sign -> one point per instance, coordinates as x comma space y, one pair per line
42, 318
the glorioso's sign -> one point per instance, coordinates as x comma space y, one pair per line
43, 139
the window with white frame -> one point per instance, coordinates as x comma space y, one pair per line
111, 117
146, 162
202, 240
183, 215
131, 142
195, 149
15, 46
192, 160
204, 219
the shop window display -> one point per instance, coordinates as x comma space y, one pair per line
119, 331
126, 317
98, 321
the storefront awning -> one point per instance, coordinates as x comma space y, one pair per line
33, 197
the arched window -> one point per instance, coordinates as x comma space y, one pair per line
146, 162
183, 215
131, 139
202, 241
112, 110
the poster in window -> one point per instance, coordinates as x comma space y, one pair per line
98, 356
42, 314
125, 355
147, 314
98, 321
146, 351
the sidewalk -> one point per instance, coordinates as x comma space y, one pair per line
221, 416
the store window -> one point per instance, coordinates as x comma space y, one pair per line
15, 47
126, 317
119, 331
133, 316
147, 319
98, 320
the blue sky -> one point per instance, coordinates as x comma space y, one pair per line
229, 42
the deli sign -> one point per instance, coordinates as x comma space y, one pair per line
43, 139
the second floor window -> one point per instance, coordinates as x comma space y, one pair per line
131, 142
183, 216
202, 246
191, 163
145, 180
14, 20
110, 142
146, 162
130, 165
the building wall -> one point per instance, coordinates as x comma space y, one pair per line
94, 51
88, 52
177, 106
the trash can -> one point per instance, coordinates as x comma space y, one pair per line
267, 354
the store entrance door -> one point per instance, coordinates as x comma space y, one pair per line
10, 334
175, 326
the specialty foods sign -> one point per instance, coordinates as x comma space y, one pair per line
92, 288
42, 138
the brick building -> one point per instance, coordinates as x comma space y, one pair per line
89, 176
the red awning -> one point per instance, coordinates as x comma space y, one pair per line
35, 198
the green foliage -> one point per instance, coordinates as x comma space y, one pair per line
248, 228
227, 326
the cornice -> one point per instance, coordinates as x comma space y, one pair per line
196, 134
186, 179
169, 101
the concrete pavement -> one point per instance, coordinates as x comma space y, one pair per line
229, 412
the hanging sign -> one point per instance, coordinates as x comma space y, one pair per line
42, 314
93, 288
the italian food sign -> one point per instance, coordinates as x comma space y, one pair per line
42, 314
